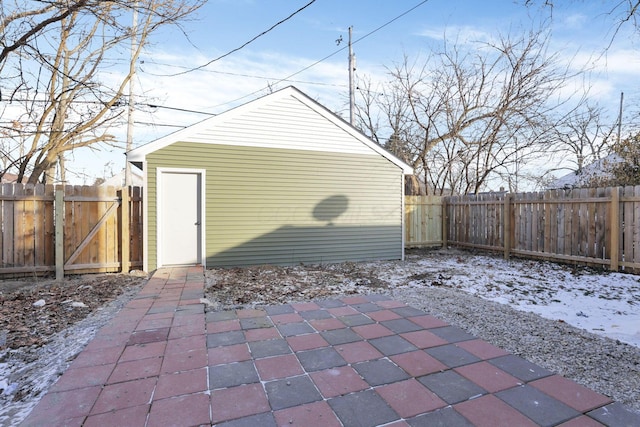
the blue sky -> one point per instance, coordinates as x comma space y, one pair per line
581, 30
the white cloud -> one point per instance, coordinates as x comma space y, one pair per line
462, 34
575, 21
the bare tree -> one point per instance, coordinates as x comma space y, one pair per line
55, 59
22, 22
466, 119
621, 13
584, 136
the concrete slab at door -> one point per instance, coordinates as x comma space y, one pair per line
180, 218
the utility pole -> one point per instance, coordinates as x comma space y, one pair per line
132, 74
352, 68
620, 117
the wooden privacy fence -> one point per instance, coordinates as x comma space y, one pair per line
69, 229
423, 221
594, 226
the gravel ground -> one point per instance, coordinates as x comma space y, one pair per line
602, 364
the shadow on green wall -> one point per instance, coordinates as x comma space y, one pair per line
327, 243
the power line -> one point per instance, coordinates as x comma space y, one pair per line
245, 44
228, 73
122, 104
186, 110
288, 78
328, 56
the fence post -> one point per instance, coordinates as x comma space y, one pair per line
615, 228
506, 219
445, 222
125, 261
59, 221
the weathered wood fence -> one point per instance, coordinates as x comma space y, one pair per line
595, 226
423, 221
69, 229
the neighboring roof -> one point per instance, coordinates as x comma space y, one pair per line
9, 178
598, 169
195, 131
118, 179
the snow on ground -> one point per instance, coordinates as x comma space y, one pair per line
603, 303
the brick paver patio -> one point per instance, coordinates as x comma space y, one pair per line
356, 361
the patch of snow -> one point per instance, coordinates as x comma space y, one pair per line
603, 303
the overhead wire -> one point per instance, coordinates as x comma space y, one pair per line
328, 56
280, 80
246, 43
228, 73
122, 104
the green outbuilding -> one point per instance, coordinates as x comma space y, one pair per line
280, 180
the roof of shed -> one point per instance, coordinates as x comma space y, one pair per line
187, 134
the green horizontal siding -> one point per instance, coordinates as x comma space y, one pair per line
278, 206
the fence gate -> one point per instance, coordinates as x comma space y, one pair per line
91, 229
423, 221
69, 229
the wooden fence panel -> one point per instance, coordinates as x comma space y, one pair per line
90, 222
423, 221
564, 225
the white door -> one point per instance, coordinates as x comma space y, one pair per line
180, 218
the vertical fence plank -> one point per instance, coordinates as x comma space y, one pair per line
584, 223
2, 231
71, 211
507, 225
636, 227
572, 244
101, 238
548, 195
111, 227
564, 216
535, 204
39, 223
125, 221
49, 227
7, 226
28, 233
60, 246
93, 211
614, 209
445, 223
136, 229
18, 227
601, 223
627, 251
591, 224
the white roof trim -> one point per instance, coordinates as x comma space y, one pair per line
139, 154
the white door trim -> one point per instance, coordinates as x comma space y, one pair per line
202, 174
